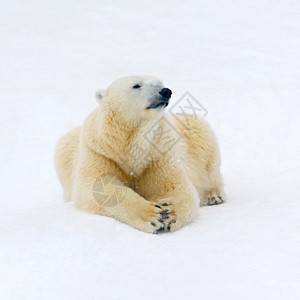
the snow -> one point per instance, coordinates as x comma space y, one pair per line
239, 59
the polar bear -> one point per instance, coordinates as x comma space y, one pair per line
133, 162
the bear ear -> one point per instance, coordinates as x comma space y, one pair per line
100, 94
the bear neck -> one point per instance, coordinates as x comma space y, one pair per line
121, 139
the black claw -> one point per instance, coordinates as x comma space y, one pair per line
169, 228
173, 221
160, 220
165, 204
166, 217
157, 206
153, 224
166, 211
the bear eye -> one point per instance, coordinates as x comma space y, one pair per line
137, 86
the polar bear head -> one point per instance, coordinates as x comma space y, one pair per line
136, 97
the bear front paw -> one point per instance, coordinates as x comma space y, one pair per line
155, 217
215, 200
169, 217
213, 197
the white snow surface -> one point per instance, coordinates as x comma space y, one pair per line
239, 59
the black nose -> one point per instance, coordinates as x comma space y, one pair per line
166, 93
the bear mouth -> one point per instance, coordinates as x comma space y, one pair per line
162, 104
